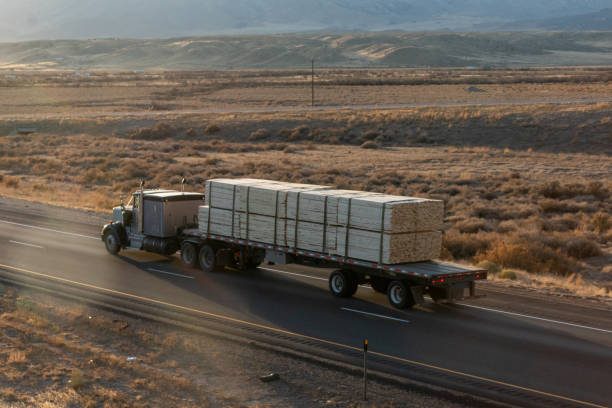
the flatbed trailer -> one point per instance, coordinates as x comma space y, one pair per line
405, 284
165, 221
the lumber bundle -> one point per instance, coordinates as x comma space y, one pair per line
368, 226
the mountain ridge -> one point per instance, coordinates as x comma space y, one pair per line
82, 19
355, 49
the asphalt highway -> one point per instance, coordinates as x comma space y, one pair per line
551, 346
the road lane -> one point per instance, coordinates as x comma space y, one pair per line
508, 348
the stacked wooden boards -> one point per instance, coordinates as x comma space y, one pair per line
367, 226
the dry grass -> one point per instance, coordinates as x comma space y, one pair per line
526, 187
77, 357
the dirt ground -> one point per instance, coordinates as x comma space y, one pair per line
56, 353
70, 94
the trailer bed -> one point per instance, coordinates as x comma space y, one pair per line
427, 270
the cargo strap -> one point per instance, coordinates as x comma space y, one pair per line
276, 216
348, 227
324, 246
210, 186
247, 211
233, 213
297, 221
382, 234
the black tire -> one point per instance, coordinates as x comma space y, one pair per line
379, 284
399, 295
189, 254
207, 257
342, 283
111, 242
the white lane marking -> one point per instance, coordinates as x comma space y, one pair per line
49, 230
374, 315
536, 318
306, 276
303, 336
171, 274
26, 244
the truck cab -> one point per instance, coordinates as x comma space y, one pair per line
152, 221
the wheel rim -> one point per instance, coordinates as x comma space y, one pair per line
188, 253
110, 241
397, 294
208, 259
337, 283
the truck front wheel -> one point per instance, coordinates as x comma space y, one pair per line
189, 254
208, 258
342, 283
111, 242
399, 295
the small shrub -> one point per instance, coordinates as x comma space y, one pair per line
11, 182
299, 133
556, 190
600, 223
259, 134
529, 254
369, 145
582, 247
370, 135
554, 206
212, 129
77, 379
559, 224
473, 225
16, 357
465, 246
491, 267
158, 132
508, 274
290, 149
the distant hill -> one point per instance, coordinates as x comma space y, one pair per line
380, 49
81, 19
598, 21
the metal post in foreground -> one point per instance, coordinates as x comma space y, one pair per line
365, 370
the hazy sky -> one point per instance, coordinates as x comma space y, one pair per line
41, 19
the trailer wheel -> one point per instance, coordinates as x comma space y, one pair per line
111, 242
189, 254
379, 284
208, 258
342, 283
399, 295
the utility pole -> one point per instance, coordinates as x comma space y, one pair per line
312, 95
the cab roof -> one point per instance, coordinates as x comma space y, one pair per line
171, 195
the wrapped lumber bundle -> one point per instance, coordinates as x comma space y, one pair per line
368, 226
309, 235
401, 214
264, 197
391, 249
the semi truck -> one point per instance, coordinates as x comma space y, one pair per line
166, 222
